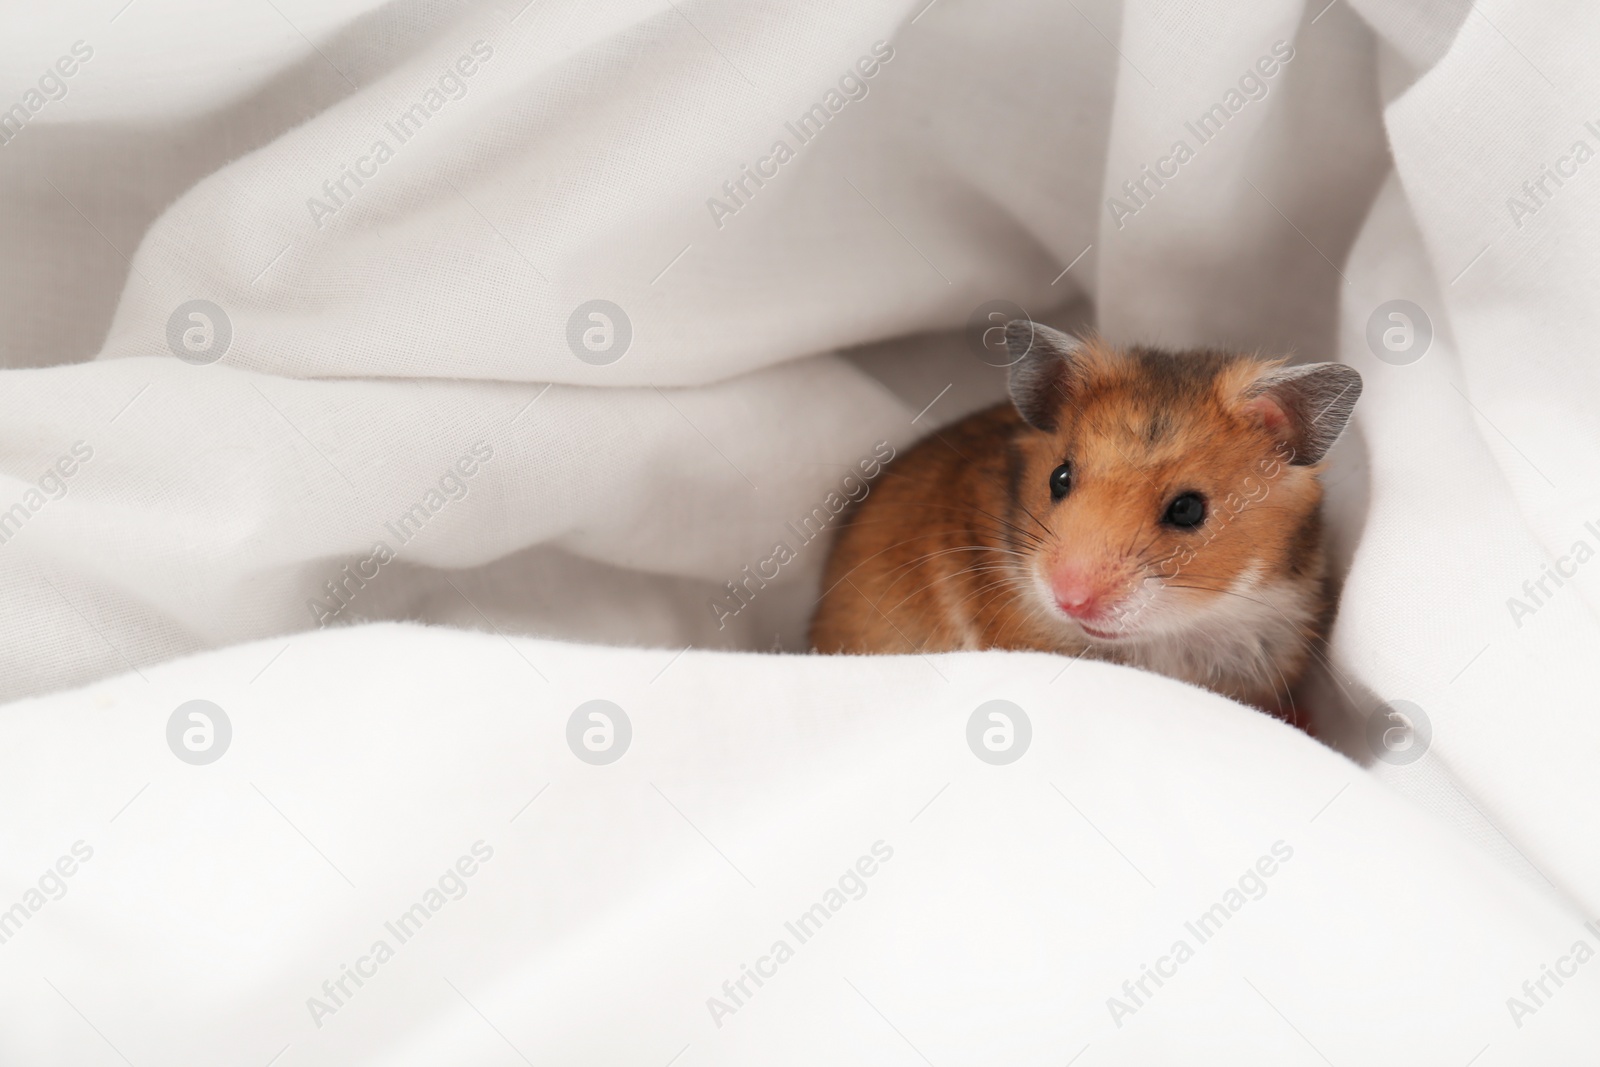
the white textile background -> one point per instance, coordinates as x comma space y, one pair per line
617, 900
1401, 153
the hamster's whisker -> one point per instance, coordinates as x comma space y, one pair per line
945, 552
887, 548
936, 553
1153, 539
1020, 531
1029, 512
988, 568
1013, 586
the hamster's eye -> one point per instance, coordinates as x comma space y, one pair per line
1186, 510
1061, 481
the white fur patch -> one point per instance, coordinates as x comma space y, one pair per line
1233, 641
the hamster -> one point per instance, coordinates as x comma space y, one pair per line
1150, 508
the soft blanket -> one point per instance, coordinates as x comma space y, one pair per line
546, 317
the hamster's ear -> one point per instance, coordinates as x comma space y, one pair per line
1044, 363
1305, 407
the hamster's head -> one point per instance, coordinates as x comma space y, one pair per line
1165, 494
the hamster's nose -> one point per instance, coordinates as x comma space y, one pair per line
1078, 592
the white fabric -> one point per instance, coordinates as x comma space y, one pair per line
616, 900
427, 317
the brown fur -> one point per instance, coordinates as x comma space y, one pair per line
942, 555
